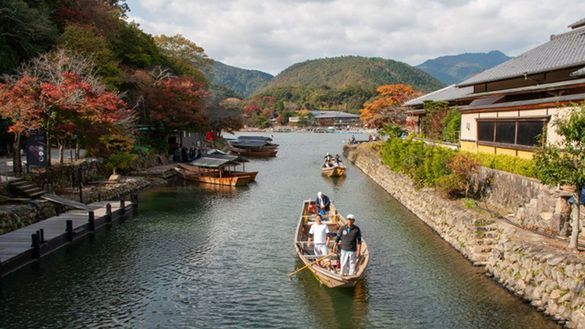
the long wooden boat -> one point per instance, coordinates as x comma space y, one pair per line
213, 177
255, 152
335, 171
251, 175
216, 169
328, 276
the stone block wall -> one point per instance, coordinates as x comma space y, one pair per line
456, 225
550, 279
534, 267
13, 217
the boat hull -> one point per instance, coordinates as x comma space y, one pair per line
333, 172
213, 178
326, 276
258, 153
251, 175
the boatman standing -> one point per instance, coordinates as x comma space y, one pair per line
350, 237
319, 235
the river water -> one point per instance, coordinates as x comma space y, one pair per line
199, 257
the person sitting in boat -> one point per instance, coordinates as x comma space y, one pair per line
350, 237
323, 203
328, 157
319, 236
337, 159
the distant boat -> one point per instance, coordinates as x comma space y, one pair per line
217, 169
253, 146
337, 170
330, 277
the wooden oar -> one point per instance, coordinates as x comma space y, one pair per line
311, 263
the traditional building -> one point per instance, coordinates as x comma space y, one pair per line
329, 118
511, 108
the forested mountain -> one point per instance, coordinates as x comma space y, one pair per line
340, 83
456, 68
243, 82
351, 72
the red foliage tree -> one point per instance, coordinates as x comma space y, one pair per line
386, 106
173, 103
19, 104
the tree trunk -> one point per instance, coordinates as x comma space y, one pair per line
573, 244
77, 149
16, 158
61, 152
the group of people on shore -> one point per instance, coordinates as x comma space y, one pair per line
331, 161
348, 238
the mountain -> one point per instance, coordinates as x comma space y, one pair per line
352, 72
456, 68
242, 81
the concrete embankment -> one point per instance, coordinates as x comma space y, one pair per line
536, 268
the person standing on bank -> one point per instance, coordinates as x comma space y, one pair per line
350, 237
323, 203
318, 234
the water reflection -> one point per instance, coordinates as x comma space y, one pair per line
334, 308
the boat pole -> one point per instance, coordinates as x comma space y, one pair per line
311, 263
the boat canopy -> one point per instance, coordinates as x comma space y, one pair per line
254, 138
249, 144
217, 161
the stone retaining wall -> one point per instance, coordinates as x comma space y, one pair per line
535, 268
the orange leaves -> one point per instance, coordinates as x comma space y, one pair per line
385, 107
19, 103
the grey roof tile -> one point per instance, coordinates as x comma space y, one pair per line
446, 94
562, 51
578, 23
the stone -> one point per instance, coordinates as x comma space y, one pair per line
555, 261
555, 294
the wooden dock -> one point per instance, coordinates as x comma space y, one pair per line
28, 244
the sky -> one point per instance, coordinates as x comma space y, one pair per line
270, 35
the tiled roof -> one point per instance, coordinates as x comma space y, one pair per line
562, 51
446, 94
564, 98
333, 115
578, 23
579, 73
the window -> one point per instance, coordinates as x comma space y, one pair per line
505, 132
485, 131
518, 132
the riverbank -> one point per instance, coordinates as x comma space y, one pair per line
533, 267
29, 211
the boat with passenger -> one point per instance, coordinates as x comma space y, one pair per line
326, 269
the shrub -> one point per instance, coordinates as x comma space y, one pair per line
423, 163
515, 165
452, 126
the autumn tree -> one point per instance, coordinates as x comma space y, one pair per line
168, 103
386, 107
19, 104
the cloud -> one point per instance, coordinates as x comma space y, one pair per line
271, 35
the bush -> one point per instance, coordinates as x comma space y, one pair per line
515, 165
452, 126
423, 163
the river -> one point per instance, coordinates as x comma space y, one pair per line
213, 257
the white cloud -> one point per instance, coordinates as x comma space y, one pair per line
270, 35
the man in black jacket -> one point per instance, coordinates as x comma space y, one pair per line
350, 237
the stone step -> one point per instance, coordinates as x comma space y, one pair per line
486, 242
482, 249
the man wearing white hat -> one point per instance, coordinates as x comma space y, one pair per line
350, 237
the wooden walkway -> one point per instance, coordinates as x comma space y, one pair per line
28, 244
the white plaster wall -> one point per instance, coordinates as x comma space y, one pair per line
469, 126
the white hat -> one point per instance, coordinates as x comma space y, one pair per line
319, 193
350, 216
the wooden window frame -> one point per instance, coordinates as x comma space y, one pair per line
515, 146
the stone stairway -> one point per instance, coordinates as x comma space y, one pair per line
26, 189
486, 236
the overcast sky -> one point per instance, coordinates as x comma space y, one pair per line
270, 35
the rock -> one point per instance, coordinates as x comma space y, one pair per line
555, 294
555, 261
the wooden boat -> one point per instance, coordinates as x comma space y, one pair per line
216, 169
254, 152
335, 171
327, 276
253, 146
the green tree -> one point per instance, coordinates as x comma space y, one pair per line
25, 31
88, 42
185, 56
565, 163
